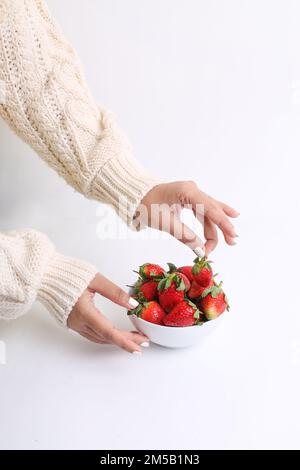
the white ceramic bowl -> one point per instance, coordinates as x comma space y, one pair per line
174, 337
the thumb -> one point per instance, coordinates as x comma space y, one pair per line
111, 291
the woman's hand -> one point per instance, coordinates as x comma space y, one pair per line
89, 322
171, 198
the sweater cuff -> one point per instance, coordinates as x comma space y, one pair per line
63, 282
123, 183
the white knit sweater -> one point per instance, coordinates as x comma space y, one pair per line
44, 98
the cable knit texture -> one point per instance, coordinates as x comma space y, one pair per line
48, 104
44, 98
31, 269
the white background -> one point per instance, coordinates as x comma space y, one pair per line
206, 90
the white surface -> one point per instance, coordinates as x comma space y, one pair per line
207, 90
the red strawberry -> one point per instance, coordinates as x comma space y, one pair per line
187, 271
169, 297
196, 290
202, 271
149, 311
171, 290
150, 270
182, 275
185, 313
148, 291
213, 302
185, 280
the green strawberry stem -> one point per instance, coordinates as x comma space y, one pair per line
136, 311
172, 268
166, 282
199, 264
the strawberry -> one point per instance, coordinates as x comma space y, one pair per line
171, 290
213, 302
150, 271
148, 291
196, 290
185, 279
169, 297
149, 311
202, 272
187, 271
185, 313
182, 275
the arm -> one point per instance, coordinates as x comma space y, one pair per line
31, 269
49, 105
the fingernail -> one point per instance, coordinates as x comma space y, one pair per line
132, 302
199, 252
138, 353
145, 344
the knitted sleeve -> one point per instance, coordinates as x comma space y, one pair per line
31, 269
45, 99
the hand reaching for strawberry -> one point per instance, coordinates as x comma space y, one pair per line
171, 198
89, 322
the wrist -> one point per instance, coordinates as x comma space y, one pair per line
63, 282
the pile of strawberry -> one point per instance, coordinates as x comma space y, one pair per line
182, 296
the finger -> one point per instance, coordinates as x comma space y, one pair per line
93, 338
185, 235
202, 203
111, 291
218, 217
230, 240
211, 236
88, 329
137, 337
167, 220
138, 333
230, 211
119, 338
103, 327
